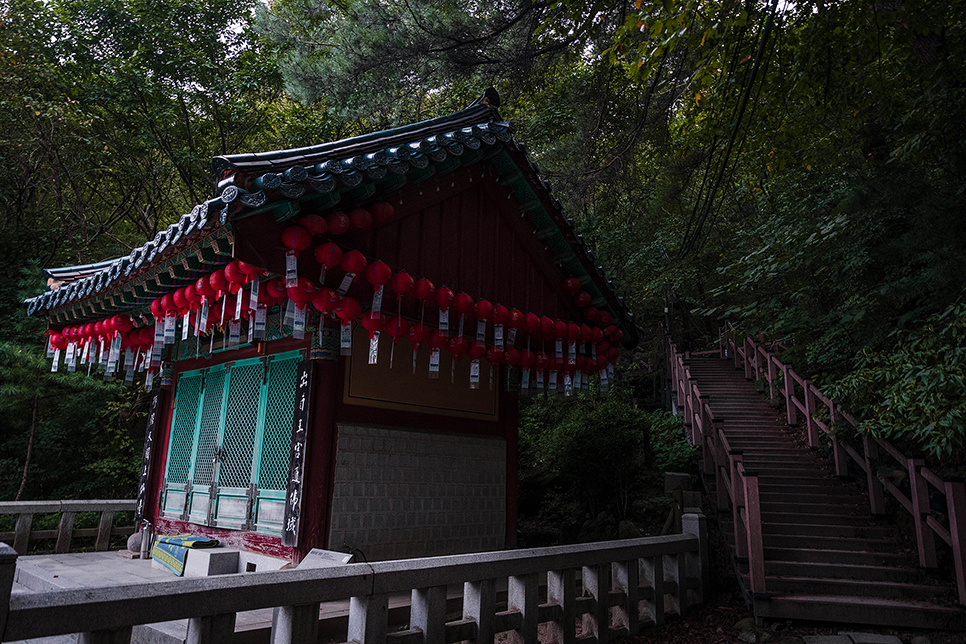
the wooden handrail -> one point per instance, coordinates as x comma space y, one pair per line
927, 526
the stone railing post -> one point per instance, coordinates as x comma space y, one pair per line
8, 568
654, 571
428, 613
522, 596
368, 619
116, 636
296, 624
479, 602
697, 524
211, 629
597, 583
560, 591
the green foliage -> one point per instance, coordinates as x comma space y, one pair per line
916, 390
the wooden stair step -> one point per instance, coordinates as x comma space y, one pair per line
823, 555
862, 588
817, 519
862, 610
825, 570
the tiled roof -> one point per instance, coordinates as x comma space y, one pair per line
200, 243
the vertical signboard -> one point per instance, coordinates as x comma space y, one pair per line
296, 464
146, 457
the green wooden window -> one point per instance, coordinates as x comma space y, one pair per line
228, 453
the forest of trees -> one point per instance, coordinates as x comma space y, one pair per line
798, 168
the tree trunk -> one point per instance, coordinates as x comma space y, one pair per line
30, 448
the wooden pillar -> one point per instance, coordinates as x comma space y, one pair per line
810, 425
320, 459
755, 548
870, 450
791, 411
920, 508
956, 508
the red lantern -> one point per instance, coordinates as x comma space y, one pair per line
483, 310
476, 349
445, 298
583, 299
353, 262
424, 289
236, 276
609, 331
296, 239
314, 224
572, 285
373, 322
329, 256
302, 293
337, 222
596, 335
58, 341
494, 355
275, 289
193, 296
397, 328
360, 219
527, 359
438, 339
250, 271
122, 323
348, 310
501, 315
326, 301
602, 348
617, 336
156, 310
601, 361
146, 337
204, 289
219, 281
419, 334
464, 306
510, 356
457, 346
605, 319
378, 273
517, 319
560, 329
382, 212
533, 324
402, 284
181, 301
591, 314
573, 332
541, 361
547, 328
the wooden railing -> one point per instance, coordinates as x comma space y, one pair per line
24, 512
623, 586
804, 402
737, 488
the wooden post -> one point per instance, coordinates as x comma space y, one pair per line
479, 604
920, 508
211, 629
772, 380
8, 570
65, 531
737, 492
756, 552
428, 613
870, 449
810, 425
21, 534
654, 572
560, 591
522, 596
838, 453
791, 410
298, 624
368, 619
748, 357
596, 583
956, 507
626, 575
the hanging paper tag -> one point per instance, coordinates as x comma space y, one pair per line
235, 333
251, 331
346, 283
540, 379
128, 360
55, 364
345, 340
71, 349
377, 300
374, 348
105, 354
291, 269
498, 335
86, 353
434, 364
253, 297
203, 322
559, 347
149, 381
475, 374
512, 336
298, 323
593, 352
603, 376
169, 325
289, 317
572, 354
129, 377
185, 324
238, 306
50, 351
553, 379
525, 380
260, 316
568, 385
610, 371
481, 331
444, 320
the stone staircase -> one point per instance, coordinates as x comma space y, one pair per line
826, 557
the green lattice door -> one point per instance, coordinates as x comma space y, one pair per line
229, 449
